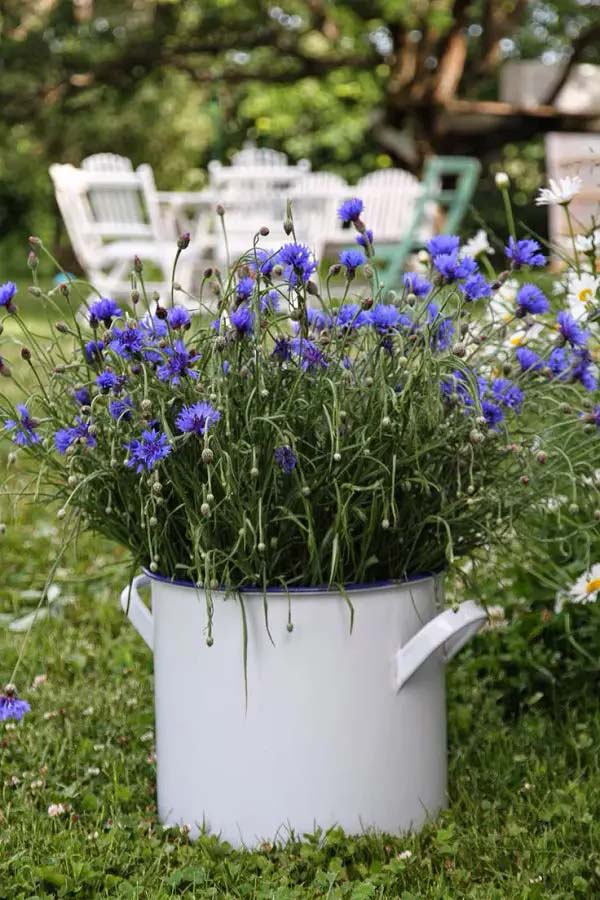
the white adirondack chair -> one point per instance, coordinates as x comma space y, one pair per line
315, 200
112, 214
574, 154
390, 197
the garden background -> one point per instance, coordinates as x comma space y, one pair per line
352, 86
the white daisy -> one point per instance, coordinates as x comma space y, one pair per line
560, 192
582, 290
584, 590
56, 809
523, 335
476, 245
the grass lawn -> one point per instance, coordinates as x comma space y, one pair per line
525, 791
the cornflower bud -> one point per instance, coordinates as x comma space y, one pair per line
264, 231
138, 265
135, 296
35, 291
32, 260
26, 354
183, 241
161, 312
288, 226
335, 269
312, 288
366, 303
220, 210
62, 327
207, 456
368, 271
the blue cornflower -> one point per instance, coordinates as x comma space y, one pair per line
242, 320
475, 287
23, 427
82, 396
297, 261
558, 363
416, 284
108, 381
178, 317
582, 369
226, 367
442, 333
146, 452
11, 707
80, 432
317, 319
595, 416
350, 210
443, 245
177, 365
524, 253
286, 459
452, 267
127, 341
507, 393
350, 315
384, 317
352, 259
282, 350
244, 288
269, 303
197, 418
365, 239
570, 330
93, 351
7, 292
531, 300
104, 310
492, 413
264, 262
121, 409
154, 327
309, 355
528, 359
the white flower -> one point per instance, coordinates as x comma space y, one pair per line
560, 192
502, 180
477, 244
585, 243
93, 770
38, 681
56, 809
523, 335
582, 290
584, 590
496, 617
405, 854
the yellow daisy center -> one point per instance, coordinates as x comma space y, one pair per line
517, 339
585, 295
592, 586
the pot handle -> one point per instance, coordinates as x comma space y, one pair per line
450, 630
138, 613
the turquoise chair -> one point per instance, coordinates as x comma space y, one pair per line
455, 201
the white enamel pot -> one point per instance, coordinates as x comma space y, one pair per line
339, 727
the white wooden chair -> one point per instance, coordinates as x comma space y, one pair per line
315, 200
573, 154
112, 214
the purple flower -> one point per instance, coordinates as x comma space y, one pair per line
282, 350
177, 365
264, 262
531, 300
309, 355
451, 267
104, 310
146, 452
269, 303
244, 288
121, 409
475, 287
23, 427
507, 393
108, 381
178, 317
352, 259
443, 244
416, 284
286, 459
582, 369
93, 351
524, 253
570, 330
82, 396
226, 367
456, 387
154, 327
442, 333
350, 210
595, 416
558, 363
11, 707
127, 341
197, 418
80, 433
297, 261
365, 239
242, 319
350, 315
492, 413
384, 317
528, 360
7, 292
317, 319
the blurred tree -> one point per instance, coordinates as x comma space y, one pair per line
352, 84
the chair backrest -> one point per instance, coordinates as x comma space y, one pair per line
255, 169
111, 205
390, 197
574, 154
259, 156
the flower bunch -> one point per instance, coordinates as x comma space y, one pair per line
278, 430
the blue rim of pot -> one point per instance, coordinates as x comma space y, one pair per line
300, 589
